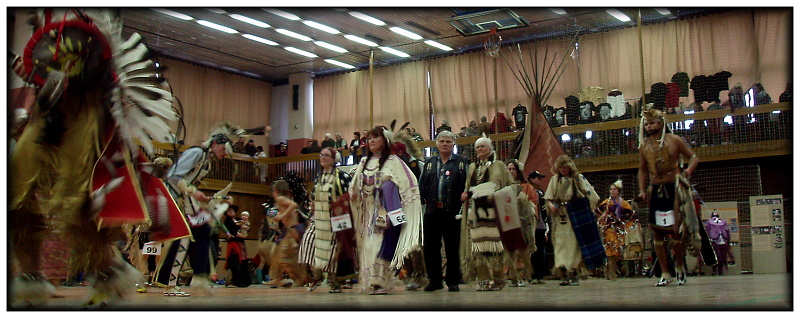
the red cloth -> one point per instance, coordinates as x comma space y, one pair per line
236, 248
673, 92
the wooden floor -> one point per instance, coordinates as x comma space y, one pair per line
732, 292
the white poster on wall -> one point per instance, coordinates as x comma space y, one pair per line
767, 229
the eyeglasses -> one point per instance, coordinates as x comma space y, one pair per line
324, 155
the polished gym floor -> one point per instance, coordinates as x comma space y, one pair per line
730, 292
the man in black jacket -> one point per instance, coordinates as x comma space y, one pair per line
441, 184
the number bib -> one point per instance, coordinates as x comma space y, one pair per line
398, 217
341, 223
665, 218
151, 248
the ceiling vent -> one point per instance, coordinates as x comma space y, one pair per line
485, 21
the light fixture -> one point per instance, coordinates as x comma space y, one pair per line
559, 11
360, 40
284, 14
663, 11
293, 34
337, 63
438, 45
259, 39
359, 15
217, 10
619, 15
406, 33
393, 51
216, 26
588, 134
320, 26
174, 14
565, 138
299, 51
330, 46
249, 20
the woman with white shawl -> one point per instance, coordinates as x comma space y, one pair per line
386, 209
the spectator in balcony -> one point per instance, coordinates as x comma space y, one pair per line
445, 126
669, 193
238, 147
484, 126
313, 147
250, 148
473, 129
340, 146
355, 146
283, 149
262, 167
328, 141
570, 200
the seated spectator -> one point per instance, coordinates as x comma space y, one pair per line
484, 126
313, 147
250, 148
473, 129
445, 126
328, 141
239, 145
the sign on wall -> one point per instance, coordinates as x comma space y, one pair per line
767, 228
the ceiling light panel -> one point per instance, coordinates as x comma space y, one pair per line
394, 52
217, 10
259, 39
360, 40
619, 15
337, 63
364, 17
438, 45
406, 33
216, 26
174, 14
320, 26
283, 14
299, 51
250, 20
330, 46
559, 11
663, 11
293, 35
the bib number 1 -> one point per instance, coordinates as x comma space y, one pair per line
665, 218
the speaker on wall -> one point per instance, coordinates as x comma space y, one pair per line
295, 97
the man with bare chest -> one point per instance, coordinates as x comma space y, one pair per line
660, 152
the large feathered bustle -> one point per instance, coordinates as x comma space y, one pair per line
140, 105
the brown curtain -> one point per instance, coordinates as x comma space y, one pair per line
209, 96
341, 102
773, 30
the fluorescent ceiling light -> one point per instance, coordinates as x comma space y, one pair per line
330, 46
559, 11
321, 26
395, 52
663, 11
299, 51
174, 14
367, 18
259, 39
406, 33
217, 10
249, 20
438, 45
292, 34
360, 40
619, 15
216, 26
337, 63
284, 14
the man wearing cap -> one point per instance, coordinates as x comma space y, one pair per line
539, 258
441, 184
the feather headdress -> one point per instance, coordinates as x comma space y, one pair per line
652, 114
224, 133
402, 142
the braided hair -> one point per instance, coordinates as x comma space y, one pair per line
385, 152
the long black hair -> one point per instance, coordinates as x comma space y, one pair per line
385, 152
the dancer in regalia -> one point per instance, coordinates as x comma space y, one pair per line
613, 227
480, 231
520, 267
386, 209
570, 200
334, 242
183, 178
78, 161
672, 211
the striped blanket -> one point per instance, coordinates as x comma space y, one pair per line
586, 233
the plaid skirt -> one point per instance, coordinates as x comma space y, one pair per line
586, 233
